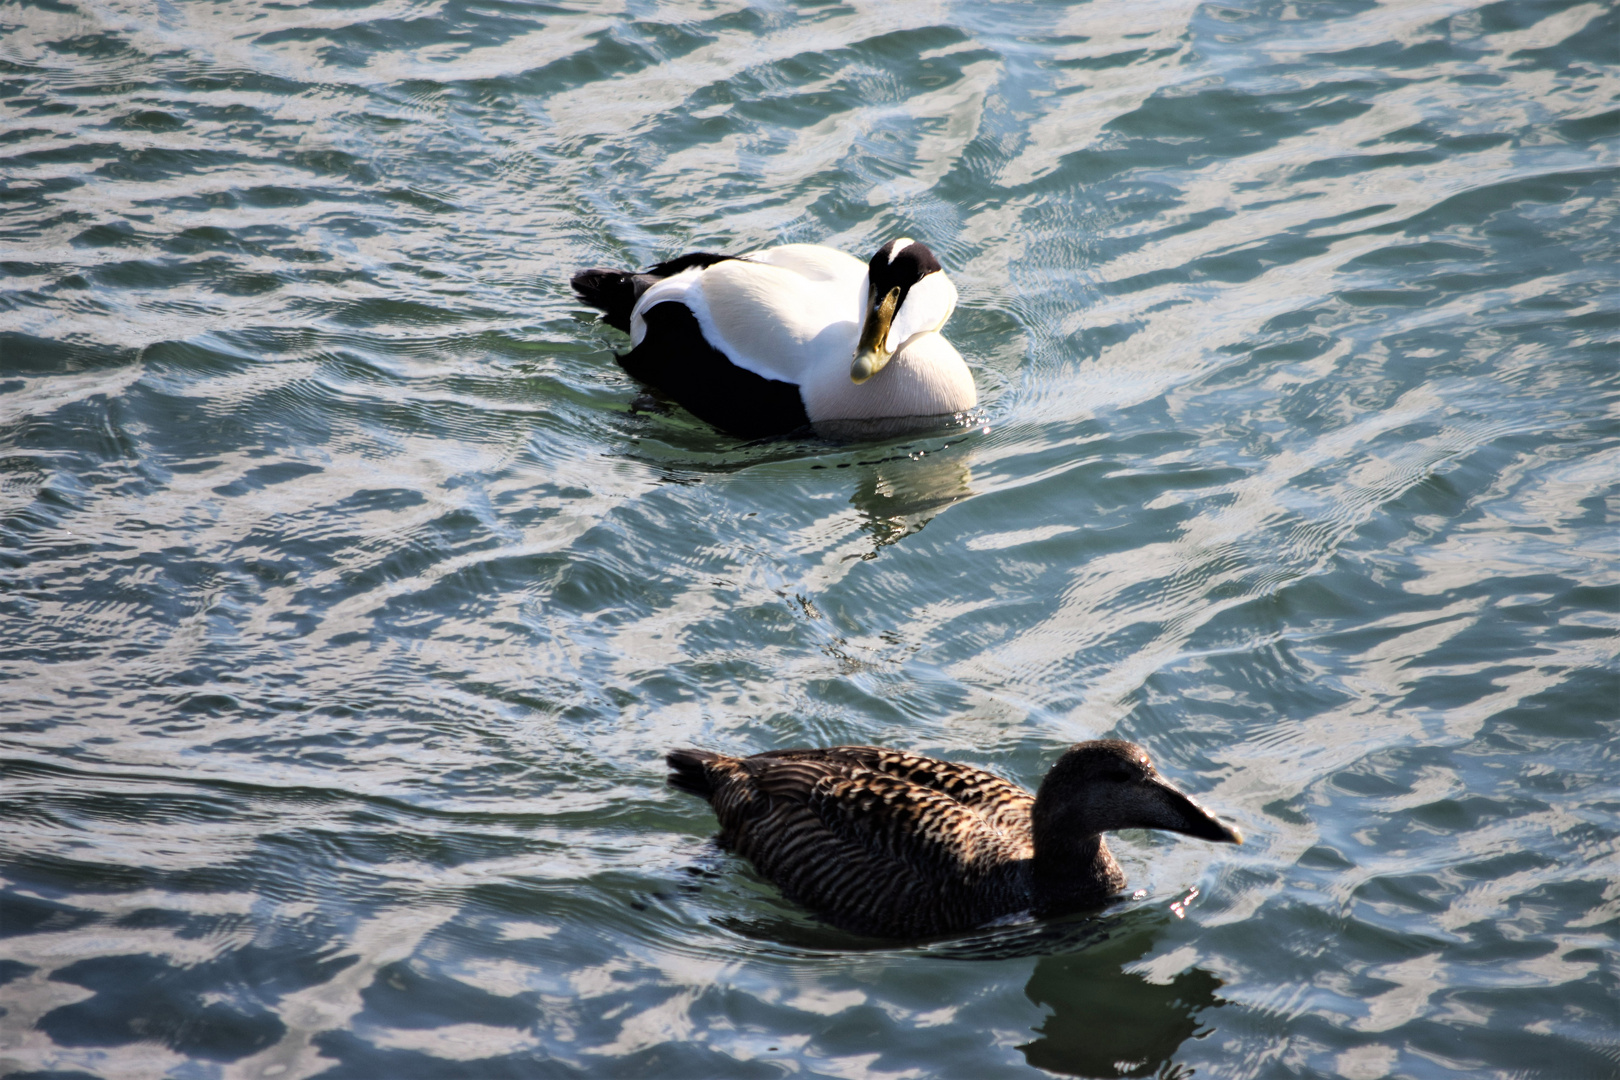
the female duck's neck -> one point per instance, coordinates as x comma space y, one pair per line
1074, 872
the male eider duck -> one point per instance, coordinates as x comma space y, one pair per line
891, 844
764, 344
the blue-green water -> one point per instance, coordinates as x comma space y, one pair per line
347, 606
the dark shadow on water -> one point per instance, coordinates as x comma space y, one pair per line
673, 440
854, 432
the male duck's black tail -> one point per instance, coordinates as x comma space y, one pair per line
615, 292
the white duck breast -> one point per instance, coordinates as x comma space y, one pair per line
790, 335
926, 377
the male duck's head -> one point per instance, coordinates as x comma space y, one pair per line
907, 293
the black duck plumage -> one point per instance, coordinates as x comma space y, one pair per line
893, 844
675, 359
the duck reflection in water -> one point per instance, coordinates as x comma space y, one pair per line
1109, 1015
900, 494
1108, 1021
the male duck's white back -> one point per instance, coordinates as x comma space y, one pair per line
789, 336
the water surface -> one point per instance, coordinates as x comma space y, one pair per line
347, 603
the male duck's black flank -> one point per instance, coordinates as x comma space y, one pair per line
892, 844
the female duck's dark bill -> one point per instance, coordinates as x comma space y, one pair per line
1177, 813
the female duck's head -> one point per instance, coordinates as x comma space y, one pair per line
907, 294
1109, 784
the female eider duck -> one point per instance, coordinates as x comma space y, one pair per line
891, 844
764, 344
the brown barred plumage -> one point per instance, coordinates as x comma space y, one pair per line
893, 844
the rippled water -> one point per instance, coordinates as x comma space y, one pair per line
347, 604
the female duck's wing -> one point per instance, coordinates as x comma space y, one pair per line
872, 852
930, 833
1003, 804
